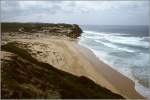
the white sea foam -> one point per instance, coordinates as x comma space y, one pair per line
142, 90
113, 46
103, 33
118, 38
134, 41
124, 45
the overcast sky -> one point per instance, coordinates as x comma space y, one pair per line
77, 12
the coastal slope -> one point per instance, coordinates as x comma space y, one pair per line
23, 76
46, 61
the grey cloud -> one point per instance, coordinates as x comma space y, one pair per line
11, 10
73, 12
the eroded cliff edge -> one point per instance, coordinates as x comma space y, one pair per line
38, 29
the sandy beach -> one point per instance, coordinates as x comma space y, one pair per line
69, 56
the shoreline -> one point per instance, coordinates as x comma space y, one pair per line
121, 83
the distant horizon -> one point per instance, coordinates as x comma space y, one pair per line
74, 23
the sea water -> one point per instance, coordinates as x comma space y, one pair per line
124, 48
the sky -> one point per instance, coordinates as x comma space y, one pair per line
77, 12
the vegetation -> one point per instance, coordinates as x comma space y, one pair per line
69, 30
28, 27
25, 77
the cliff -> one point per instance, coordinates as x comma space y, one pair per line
69, 30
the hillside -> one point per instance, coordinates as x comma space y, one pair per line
45, 67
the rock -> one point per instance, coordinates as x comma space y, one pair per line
76, 31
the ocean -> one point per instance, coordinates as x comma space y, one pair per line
124, 48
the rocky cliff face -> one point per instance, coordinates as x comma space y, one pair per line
69, 30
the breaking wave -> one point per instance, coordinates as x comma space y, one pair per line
126, 53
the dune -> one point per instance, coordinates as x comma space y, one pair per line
67, 55
26, 76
